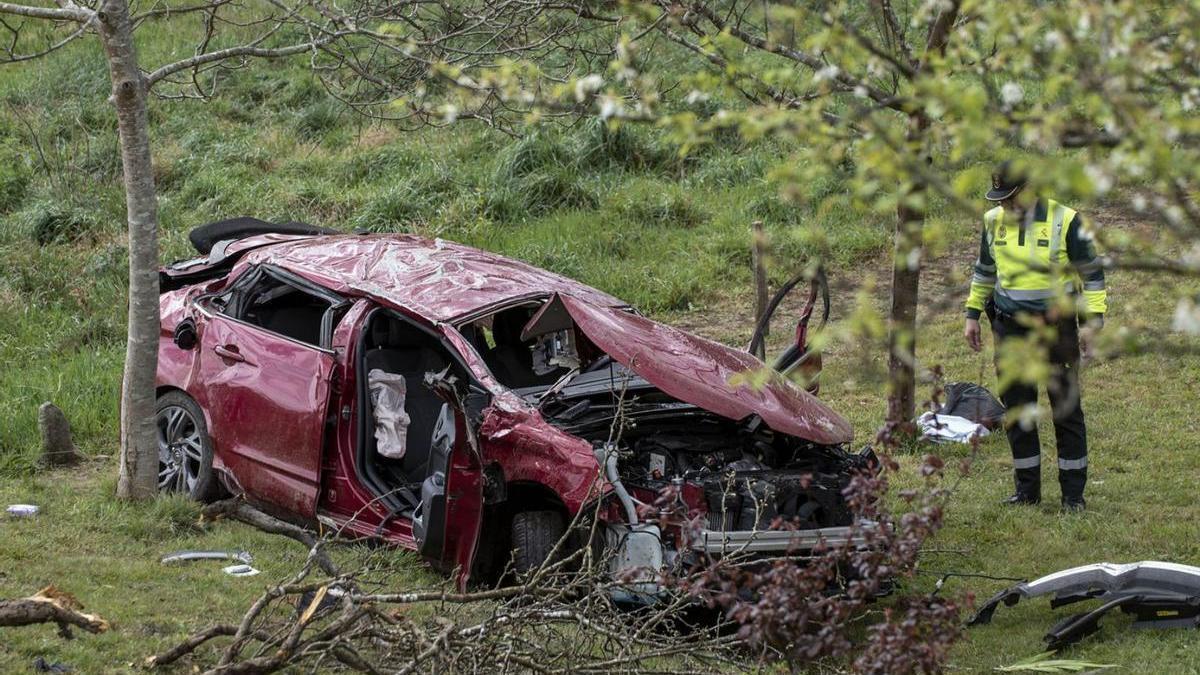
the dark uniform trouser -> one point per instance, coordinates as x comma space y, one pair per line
1070, 434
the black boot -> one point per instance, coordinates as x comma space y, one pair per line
1073, 504
1027, 484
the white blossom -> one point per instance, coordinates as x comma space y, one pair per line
1187, 317
450, 113
696, 96
1084, 26
1189, 99
827, 73
860, 91
1101, 180
1192, 257
586, 86
1053, 40
609, 107
913, 260
1139, 203
1011, 93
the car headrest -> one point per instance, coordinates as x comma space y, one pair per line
387, 334
506, 327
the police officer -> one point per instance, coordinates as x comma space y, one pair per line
1034, 253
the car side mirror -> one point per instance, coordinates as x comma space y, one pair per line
185, 334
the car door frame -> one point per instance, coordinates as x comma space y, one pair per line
261, 473
464, 474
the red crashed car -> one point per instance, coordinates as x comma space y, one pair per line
467, 405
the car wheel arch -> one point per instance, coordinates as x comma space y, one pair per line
211, 484
519, 497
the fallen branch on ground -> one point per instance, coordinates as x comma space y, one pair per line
50, 605
237, 509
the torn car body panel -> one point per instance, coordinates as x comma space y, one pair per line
701, 372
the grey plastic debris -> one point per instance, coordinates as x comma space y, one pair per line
22, 510
240, 571
1159, 594
243, 557
41, 665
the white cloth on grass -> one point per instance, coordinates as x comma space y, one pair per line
387, 404
949, 428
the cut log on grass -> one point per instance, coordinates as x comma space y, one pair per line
50, 605
58, 449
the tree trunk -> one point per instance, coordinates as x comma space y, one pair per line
906, 277
902, 317
138, 477
758, 259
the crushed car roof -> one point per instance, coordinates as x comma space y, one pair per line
441, 279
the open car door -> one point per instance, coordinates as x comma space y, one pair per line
447, 523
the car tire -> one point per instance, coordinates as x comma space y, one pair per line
534, 535
185, 450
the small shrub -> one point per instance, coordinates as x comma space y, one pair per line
728, 169
391, 210
537, 152
14, 181
54, 222
317, 119
655, 203
388, 162
771, 208
600, 146
102, 157
536, 193
532, 176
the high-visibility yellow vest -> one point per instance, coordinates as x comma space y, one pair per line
1031, 261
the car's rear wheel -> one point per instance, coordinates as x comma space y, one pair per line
185, 452
534, 534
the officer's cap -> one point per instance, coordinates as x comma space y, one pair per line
1006, 180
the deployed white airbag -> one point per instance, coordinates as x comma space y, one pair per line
391, 421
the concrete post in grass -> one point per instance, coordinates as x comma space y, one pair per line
58, 449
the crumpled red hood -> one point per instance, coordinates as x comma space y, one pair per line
698, 371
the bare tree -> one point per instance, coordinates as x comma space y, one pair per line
345, 46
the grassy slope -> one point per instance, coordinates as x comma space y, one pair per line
623, 213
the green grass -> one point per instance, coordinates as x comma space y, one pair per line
619, 209
107, 553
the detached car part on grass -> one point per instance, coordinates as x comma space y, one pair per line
527, 399
1159, 594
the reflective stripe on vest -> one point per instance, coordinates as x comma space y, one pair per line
1031, 267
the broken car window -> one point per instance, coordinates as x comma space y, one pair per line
270, 301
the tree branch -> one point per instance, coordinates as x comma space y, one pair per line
939, 33
242, 51
50, 605
70, 12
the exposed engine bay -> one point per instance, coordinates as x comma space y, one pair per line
747, 475
741, 487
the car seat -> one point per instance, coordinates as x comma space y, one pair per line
405, 351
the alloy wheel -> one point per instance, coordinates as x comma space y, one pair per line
179, 450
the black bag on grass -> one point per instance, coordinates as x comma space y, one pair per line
973, 402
